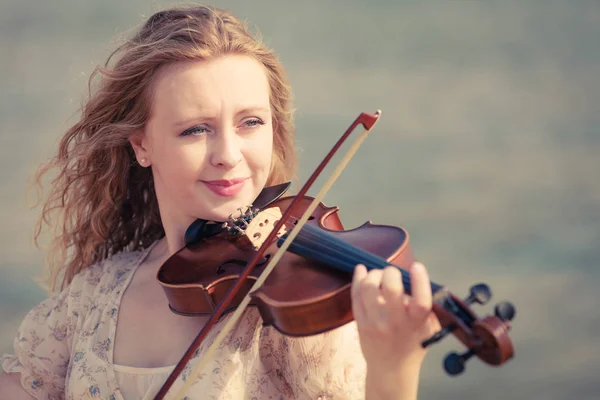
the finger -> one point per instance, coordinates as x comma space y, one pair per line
372, 299
392, 288
359, 274
358, 309
433, 322
421, 300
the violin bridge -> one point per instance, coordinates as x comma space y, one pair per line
262, 224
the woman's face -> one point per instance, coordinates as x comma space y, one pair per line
209, 140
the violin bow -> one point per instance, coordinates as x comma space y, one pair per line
367, 121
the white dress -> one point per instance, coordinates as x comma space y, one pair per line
140, 383
64, 350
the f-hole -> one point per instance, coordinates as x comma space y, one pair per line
239, 265
309, 218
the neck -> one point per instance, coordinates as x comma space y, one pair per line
175, 238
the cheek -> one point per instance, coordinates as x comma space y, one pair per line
179, 164
261, 151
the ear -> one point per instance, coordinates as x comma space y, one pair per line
140, 145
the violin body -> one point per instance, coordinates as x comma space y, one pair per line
301, 296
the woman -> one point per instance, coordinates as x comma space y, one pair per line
192, 121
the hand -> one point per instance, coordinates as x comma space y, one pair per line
391, 324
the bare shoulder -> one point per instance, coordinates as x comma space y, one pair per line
10, 387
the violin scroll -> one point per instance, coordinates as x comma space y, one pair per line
487, 337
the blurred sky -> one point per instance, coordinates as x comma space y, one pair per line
486, 152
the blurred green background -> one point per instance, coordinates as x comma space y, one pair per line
486, 152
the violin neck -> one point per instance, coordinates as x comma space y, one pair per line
316, 244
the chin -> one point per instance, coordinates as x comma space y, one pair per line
222, 211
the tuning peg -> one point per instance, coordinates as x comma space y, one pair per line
454, 363
505, 311
480, 293
439, 335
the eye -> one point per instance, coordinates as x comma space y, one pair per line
253, 122
196, 130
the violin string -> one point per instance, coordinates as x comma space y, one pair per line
330, 244
350, 254
347, 255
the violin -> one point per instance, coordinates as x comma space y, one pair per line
292, 259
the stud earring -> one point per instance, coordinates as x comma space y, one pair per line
143, 162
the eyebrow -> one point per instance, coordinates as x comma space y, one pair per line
202, 115
247, 110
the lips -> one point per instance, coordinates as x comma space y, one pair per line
226, 187
226, 182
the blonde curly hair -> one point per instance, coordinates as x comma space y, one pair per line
101, 201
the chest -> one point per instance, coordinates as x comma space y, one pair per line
148, 334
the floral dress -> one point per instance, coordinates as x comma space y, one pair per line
64, 350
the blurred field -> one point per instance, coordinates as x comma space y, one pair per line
487, 151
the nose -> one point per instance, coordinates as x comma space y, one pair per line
226, 151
